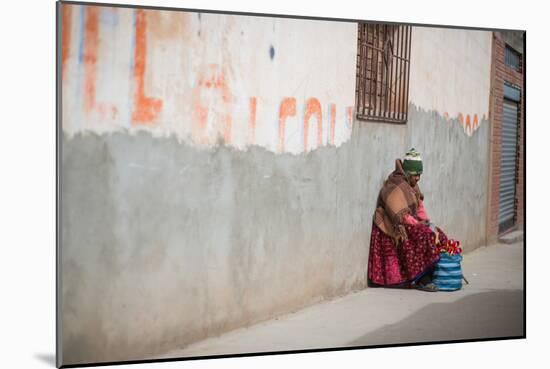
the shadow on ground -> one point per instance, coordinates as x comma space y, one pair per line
492, 314
46, 358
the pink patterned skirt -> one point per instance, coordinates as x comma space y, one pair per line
398, 266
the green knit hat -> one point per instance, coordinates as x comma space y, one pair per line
412, 164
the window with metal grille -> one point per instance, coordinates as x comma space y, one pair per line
383, 66
512, 58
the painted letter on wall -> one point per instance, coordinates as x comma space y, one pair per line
146, 108
313, 108
287, 109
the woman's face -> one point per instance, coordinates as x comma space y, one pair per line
413, 179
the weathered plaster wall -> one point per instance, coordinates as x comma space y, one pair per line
193, 202
283, 84
450, 73
164, 244
448, 124
455, 174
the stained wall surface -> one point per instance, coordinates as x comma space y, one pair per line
213, 174
282, 84
449, 124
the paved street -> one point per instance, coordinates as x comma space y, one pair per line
490, 306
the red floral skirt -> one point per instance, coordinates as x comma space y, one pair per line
391, 265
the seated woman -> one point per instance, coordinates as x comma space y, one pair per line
403, 246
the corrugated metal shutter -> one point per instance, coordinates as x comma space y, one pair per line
508, 171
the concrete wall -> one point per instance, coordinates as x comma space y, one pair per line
514, 39
449, 93
450, 73
193, 202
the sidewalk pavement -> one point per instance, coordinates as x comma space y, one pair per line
490, 306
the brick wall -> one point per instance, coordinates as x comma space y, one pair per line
501, 73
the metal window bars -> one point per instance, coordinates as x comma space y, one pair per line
383, 67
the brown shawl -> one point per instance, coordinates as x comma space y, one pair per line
396, 199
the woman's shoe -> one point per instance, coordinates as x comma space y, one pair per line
428, 287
